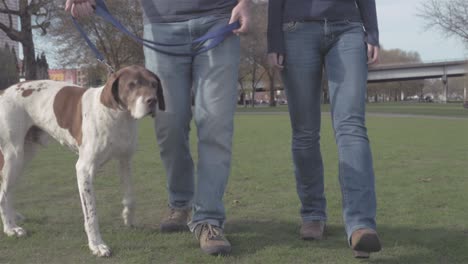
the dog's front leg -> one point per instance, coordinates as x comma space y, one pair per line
128, 201
85, 175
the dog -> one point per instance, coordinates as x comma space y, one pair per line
98, 124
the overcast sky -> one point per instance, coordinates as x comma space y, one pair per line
401, 28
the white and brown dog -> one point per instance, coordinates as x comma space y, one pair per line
99, 124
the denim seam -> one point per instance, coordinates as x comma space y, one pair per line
341, 177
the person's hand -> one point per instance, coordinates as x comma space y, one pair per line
372, 54
276, 60
80, 8
242, 13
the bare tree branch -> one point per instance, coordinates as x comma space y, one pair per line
448, 16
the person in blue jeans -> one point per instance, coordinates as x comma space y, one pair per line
342, 36
211, 77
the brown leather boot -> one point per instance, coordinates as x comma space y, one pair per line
175, 220
364, 241
212, 239
312, 230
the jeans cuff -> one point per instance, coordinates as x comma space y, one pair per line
311, 218
188, 206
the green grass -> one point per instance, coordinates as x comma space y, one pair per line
422, 188
406, 108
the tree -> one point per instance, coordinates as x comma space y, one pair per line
254, 63
27, 10
253, 47
118, 49
42, 67
8, 68
448, 16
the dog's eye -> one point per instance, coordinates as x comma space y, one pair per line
132, 85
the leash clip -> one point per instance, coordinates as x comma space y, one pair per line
110, 69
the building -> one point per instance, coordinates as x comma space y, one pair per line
4, 19
64, 75
71, 76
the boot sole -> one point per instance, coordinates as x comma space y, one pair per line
368, 243
361, 254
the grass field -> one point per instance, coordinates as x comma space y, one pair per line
405, 108
422, 188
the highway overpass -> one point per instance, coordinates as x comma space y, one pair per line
417, 71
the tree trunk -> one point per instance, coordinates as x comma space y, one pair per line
29, 54
242, 94
271, 75
254, 76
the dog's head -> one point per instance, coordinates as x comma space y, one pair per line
134, 89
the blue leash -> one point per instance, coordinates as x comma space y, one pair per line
216, 36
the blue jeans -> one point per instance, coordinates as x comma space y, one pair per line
212, 78
338, 46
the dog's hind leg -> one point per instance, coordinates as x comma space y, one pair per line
34, 137
128, 201
12, 169
85, 171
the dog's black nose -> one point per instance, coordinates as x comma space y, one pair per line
151, 101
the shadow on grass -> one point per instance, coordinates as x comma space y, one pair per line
252, 241
401, 244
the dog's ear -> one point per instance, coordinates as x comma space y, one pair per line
110, 94
160, 95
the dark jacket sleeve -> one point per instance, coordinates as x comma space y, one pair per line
369, 17
275, 26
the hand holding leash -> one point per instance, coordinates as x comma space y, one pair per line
241, 13
80, 8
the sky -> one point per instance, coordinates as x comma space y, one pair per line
401, 28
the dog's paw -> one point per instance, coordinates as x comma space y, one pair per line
15, 232
101, 250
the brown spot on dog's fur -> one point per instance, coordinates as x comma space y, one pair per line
27, 92
2, 161
20, 85
67, 109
